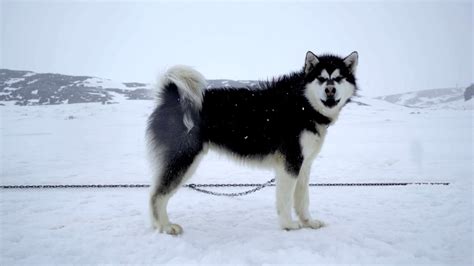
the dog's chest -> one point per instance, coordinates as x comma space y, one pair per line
311, 142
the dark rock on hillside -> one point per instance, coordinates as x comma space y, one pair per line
469, 92
28, 88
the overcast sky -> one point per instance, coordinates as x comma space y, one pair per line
402, 46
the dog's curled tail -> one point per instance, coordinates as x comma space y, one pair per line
189, 82
180, 96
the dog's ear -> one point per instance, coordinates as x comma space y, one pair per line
351, 61
310, 62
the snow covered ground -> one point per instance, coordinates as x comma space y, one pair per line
94, 144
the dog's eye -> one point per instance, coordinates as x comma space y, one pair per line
338, 79
322, 80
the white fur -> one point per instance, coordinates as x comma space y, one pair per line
311, 144
301, 199
301, 194
190, 83
324, 74
188, 122
335, 74
285, 188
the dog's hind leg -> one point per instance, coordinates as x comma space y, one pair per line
174, 137
168, 179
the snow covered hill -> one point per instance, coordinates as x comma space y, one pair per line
30, 88
448, 98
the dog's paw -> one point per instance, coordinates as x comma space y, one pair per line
314, 224
171, 229
292, 225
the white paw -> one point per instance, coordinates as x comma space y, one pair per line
292, 225
314, 224
171, 229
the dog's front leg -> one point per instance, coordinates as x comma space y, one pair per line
285, 188
302, 200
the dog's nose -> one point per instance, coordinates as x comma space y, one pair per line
330, 91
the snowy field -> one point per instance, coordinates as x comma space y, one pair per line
104, 144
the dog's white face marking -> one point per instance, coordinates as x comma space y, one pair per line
336, 73
315, 91
324, 74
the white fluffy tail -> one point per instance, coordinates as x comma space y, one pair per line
190, 83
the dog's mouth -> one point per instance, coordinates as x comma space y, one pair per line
330, 102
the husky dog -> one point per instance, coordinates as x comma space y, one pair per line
282, 125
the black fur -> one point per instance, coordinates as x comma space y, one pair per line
254, 123
178, 147
330, 63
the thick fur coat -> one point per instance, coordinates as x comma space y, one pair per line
282, 125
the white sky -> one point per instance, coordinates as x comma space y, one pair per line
402, 46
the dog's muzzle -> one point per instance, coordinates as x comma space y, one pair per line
330, 97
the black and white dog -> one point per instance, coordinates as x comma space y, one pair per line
281, 125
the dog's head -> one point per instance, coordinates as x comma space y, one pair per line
330, 81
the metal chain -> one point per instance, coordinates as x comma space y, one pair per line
237, 194
74, 186
197, 187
